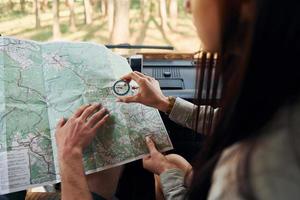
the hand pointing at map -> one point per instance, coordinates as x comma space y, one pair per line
156, 162
78, 132
72, 136
149, 92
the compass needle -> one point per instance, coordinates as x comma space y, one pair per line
121, 88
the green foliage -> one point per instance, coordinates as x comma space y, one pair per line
43, 35
13, 14
135, 4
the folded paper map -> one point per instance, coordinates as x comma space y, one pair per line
42, 82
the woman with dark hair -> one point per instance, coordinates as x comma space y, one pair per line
254, 150
252, 146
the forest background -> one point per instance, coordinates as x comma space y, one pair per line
148, 22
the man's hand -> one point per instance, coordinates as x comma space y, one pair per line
74, 135
149, 93
156, 162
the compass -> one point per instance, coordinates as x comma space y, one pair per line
121, 88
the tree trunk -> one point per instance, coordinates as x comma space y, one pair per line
56, 28
11, 4
173, 12
88, 12
142, 7
93, 2
120, 32
22, 3
37, 14
110, 13
104, 7
72, 19
163, 14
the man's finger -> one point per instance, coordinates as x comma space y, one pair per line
80, 110
128, 99
96, 117
88, 111
101, 122
60, 123
150, 145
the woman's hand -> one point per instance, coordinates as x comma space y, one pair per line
73, 135
149, 93
156, 162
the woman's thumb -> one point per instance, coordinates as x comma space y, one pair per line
150, 145
127, 99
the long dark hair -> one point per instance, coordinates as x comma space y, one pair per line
259, 59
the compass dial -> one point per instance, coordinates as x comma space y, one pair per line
121, 88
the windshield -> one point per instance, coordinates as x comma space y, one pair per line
137, 22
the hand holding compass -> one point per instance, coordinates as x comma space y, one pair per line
149, 92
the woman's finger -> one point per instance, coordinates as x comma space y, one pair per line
145, 76
150, 145
80, 110
149, 78
97, 117
146, 161
132, 76
141, 74
128, 99
90, 110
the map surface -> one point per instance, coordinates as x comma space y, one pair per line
42, 82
